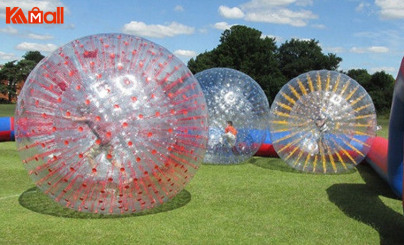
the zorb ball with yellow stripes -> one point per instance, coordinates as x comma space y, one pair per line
322, 121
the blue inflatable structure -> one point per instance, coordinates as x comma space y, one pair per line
7, 129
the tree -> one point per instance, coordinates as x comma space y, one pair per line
379, 86
202, 62
300, 56
380, 89
8, 85
14, 72
35, 56
244, 49
360, 75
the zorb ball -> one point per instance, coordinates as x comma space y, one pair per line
322, 121
112, 124
233, 96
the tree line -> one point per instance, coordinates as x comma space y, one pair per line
14, 73
245, 49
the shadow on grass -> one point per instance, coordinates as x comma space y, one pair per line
279, 165
223, 164
272, 164
362, 202
35, 200
262, 162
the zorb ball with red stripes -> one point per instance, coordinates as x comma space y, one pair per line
112, 124
322, 121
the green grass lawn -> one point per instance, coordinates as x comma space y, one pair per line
261, 201
7, 110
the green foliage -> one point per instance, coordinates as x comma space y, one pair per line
244, 49
360, 75
300, 56
202, 62
35, 56
14, 72
7, 85
380, 87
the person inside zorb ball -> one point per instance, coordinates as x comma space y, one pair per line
238, 115
111, 123
322, 121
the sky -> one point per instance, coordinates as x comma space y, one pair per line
366, 34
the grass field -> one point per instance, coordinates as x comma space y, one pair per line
7, 110
261, 201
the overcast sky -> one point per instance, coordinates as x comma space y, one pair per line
364, 33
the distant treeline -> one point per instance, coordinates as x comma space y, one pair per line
247, 50
14, 73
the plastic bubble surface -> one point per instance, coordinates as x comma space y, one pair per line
322, 121
111, 123
233, 96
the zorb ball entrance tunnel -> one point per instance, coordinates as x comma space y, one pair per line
322, 121
112, 124
234, 97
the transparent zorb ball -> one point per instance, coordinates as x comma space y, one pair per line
111, 123
233, 96
322, 121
